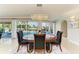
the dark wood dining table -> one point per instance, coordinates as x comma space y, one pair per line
49, 38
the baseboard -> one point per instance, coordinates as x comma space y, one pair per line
76, 43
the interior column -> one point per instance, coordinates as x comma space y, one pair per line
14, 29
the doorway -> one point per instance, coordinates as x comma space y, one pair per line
64, 28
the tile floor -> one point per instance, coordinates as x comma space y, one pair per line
9, 46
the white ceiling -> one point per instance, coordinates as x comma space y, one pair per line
53, 10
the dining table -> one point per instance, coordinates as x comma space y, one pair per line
49, 38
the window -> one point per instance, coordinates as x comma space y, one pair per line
31, 27
5, 28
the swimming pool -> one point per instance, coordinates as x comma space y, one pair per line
29, 32
33, 32
8, 34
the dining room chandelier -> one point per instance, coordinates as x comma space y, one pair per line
39, 17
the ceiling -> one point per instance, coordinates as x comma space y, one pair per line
54, 11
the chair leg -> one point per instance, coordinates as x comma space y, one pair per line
60, 48
34, 51
50, 47
44, 51
21, 46
44, 48
18, 48
27, 48
31, 47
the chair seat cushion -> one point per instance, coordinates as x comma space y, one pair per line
53, 38
55, 42
24, 41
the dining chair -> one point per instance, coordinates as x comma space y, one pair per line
1, 34
21, 41
58, 40
48, 47
30, 47
39, 44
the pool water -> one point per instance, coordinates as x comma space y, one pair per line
30, 32
8, 34
33, 32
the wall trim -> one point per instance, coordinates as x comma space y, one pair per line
76, 43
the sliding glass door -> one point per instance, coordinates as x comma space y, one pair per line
31, 27
5, 28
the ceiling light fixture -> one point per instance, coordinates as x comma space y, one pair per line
39, 5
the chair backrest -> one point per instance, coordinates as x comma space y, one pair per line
39, 41
0, 34
59, 36
20, 36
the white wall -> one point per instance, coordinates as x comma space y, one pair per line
14, 28
58, 26
73, 35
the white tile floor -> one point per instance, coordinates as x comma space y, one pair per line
55, 50
9, 46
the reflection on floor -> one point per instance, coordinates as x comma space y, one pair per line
9, 46
54, 51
